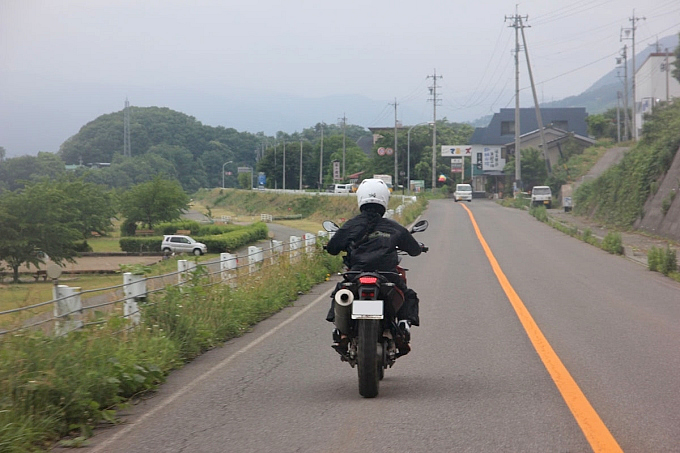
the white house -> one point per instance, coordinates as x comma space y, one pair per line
653, 84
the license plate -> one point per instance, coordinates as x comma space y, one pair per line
367, 309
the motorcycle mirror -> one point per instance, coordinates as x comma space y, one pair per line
420, 226
329, 225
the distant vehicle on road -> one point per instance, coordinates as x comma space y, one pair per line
342, 188
178, 243
463, 192
541, 195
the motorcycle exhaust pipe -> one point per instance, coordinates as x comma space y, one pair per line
343, 309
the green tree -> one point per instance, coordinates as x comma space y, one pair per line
93, 205
159, 200
676, 63
39, 218
245, 181
16, 172
534, 172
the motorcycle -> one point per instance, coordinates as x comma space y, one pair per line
366, 306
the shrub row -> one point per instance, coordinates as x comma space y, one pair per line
228, 242
235, 237
612, 242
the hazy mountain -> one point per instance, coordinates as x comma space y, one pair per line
39, 113
601, 95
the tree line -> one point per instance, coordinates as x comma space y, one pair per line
51, 219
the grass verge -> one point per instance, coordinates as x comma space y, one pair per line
53, 387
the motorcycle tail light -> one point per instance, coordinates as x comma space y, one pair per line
368, 280
367, 294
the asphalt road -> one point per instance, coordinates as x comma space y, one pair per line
474, 381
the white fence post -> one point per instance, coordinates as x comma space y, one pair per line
310, 243
184, 267
134, 287
277, 250
293, 245
228, 265
67, 310
254, 257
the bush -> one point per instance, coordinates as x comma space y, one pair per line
228, 242
173, 227
540, 213
660, 260
141, 244
613, 243
213, 230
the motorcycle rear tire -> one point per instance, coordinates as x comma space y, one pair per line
368, 359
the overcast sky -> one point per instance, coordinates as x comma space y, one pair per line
378, 49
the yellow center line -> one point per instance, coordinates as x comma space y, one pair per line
594, 429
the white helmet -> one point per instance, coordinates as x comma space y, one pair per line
373, 191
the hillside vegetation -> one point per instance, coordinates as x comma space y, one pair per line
618, 196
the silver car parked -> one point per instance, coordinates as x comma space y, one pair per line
182, 244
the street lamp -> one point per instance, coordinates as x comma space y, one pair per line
408, 152
223, 171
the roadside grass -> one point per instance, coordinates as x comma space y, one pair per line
57, 386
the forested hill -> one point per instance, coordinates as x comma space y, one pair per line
196, 151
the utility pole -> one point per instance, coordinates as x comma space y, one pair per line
284, 165
433, 92
539, 117
321, 162
517, 24
275, 144
668, 71
344, 124
300, 164
631, 31
618, 117
127, 152
624, 59
396, 174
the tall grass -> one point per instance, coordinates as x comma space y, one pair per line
51, 387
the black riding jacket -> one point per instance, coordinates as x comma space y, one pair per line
372, 248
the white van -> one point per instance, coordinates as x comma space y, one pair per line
463, 192
541, 195
342, 188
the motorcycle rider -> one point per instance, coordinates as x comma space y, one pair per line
371, 243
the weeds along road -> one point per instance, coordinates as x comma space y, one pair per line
590, 363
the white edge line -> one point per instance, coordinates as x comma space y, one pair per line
207, 374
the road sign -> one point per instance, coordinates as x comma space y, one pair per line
245, 169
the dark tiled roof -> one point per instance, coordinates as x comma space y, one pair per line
491, 135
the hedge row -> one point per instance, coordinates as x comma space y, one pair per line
229, 242
225, 242
195, 228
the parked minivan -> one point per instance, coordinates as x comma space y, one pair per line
463, 192
342, 188
541, 195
